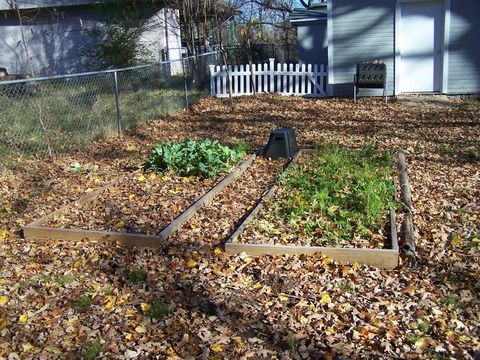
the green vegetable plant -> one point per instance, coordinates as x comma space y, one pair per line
205, 158
337, 194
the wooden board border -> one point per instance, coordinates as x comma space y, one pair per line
35, 231
381, 258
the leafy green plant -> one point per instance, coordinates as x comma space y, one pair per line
83, 302
344, 287
204, 158
92, 350
452, 300
157, 310
337, 194
136, 276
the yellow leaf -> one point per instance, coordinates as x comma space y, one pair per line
23, 319
476, 240
145, 306
303, 320
77, 264
191, 263
216, 347
120, 224
152, 176
325, 299
457, 240
355, 266
283, 297
3, 300
140, 329
3, 235
141, 178
110, 303
327, 261
330, 331
172, 251
27, 347
128, 336
130, 313
217, 250
268, 304
130, 148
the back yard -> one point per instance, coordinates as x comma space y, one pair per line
188, 299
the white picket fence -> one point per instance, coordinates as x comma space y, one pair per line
302, 80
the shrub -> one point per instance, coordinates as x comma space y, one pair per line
204, 158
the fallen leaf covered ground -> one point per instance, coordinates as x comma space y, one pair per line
66, 300
138, 203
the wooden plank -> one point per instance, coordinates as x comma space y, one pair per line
381, 258
42, 233
242, 80
248, 79
35, 231
212, 80
205, 199
224, 80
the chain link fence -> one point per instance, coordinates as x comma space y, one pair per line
50, 116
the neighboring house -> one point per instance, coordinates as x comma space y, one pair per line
56, 36
429, 46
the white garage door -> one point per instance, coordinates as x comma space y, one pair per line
421, 43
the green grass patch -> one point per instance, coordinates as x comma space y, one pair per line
92, 350
157, 310
453, 301
337, 194
136, 276
83, 302
204, 158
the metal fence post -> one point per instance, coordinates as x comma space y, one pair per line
117, 103
185, 86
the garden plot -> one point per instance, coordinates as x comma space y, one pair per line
147, 206
333, 201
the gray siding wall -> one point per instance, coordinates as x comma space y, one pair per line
313, 43
362, 30
464, 47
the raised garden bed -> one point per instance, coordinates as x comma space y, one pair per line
142, 208
310, 210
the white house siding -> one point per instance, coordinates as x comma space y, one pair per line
164, 33
56, 39
464, 47
362, 30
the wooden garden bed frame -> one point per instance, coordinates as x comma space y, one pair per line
37, 231
382, 258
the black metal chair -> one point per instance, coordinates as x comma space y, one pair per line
370, 75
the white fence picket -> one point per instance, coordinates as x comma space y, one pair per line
292, 79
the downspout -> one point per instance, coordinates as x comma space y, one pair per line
167, 49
